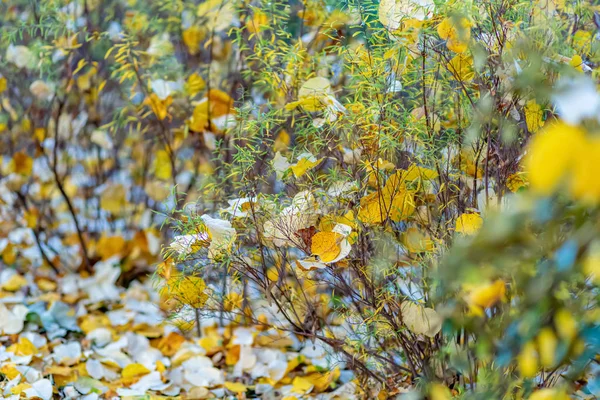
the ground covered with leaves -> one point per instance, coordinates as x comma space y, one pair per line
90, 338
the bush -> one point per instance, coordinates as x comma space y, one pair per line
411, 185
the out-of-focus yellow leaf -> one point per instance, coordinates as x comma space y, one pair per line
195, 84
301, 385
14, 283
21, 164
565, 324
551, 154
417, 241
113, 199
547, 343
23, 347
437, 391
162, 165
134, 370
549, 394
480, 297
158, 106
235, 387
192, 37
108, 246
528, 361
468, 223
421, 320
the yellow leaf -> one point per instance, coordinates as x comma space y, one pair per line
233, 301
549, 394
301, 385
468, 223
14, 283
456, 32
533, 116
403, 206
216, 104
591, 266
576, 62
188, 290
421, 320
58, 370
313, 94
322, 381
282, 141
394, 201
516, 181
305, 162
192, 38
169, 344
326, 245
547, 343
416, 241
21, 164
257, 23
158, 106
134, 370
461, 67
113, 199
46, 285
162, 165
157, 190
9, 254
585, 185
415, 172
437, 391
484, 296
195, 84
31, 217
9, 370
108, 246
373, 209
20, 388
551, 155
565, 325
235, 387
528, 361
23, 347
